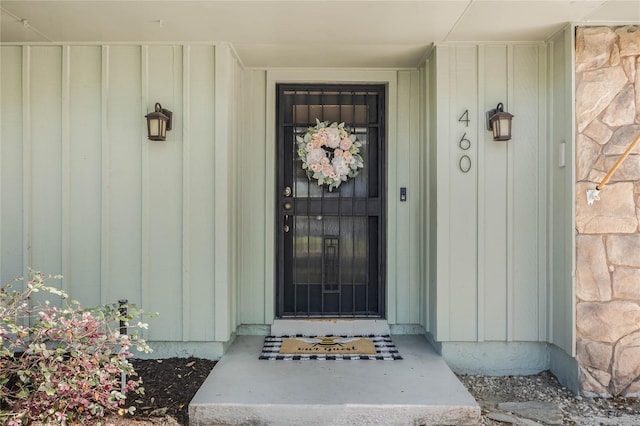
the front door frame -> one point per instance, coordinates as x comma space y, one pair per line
326, 76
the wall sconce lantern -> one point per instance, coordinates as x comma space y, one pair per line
500, 123
158, 122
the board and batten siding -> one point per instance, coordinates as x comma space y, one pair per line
488, 225
86, 195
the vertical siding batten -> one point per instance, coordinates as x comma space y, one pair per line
415, 200
443, 190
423, 188
432, 158
104, 181
570, 129
269, 205
66, 170
543, 195
482, 236
26, 161
144, 178
399, 263
186, 193
550, 171
221, 213
510, 207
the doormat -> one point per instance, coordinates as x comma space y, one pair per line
329, 348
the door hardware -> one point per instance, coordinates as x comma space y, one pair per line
287, 191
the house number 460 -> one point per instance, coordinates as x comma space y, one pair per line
464, 164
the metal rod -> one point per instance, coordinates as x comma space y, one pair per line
122, 304
604, 181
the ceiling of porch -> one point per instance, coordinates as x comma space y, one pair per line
306, 33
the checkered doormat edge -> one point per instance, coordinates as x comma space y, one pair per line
385, 350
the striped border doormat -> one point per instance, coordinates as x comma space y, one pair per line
314, 348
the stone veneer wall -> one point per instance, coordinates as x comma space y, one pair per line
608, 233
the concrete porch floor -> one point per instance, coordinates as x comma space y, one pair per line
418, 390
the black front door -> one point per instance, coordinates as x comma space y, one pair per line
331, 243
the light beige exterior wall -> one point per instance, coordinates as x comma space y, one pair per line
608, 236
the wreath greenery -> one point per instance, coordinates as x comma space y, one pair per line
330, 154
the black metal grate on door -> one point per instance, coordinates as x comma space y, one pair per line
331, 244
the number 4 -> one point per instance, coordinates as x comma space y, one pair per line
465, 117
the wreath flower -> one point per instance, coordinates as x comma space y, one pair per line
330, 154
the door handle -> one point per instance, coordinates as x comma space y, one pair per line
287, 206
286, 223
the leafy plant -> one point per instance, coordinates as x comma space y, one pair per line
61, 365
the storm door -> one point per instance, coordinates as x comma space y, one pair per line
330, 243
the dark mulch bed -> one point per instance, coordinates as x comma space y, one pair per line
169, 386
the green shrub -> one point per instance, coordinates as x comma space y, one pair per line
63, 365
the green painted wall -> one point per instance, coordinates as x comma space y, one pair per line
488, 225
185, 227
85, 194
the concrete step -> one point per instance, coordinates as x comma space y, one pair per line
418, 390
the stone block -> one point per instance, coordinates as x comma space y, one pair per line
590, 386
633, 391
622, 109
624, 250
629, 170
595, 91
637, 85
587, 152
603, 377
593, 281
614, 213
629, 40
596, 355
544, 412
629, 67
626, 365
596, 177
598, 132
626, 284
621, 139
593, 47
607, 321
